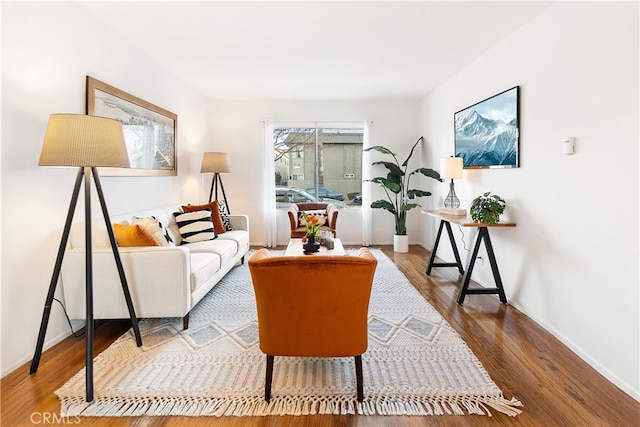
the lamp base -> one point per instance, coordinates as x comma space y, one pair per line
453, 211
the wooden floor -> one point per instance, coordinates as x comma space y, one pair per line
555, 386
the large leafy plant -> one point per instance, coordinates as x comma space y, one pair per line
397, 186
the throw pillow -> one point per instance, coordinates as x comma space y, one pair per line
321, 214
155, 227
133, 235
224, 212
195, 226
218, 225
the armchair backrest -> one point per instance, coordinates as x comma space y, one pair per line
313, 305
330, 209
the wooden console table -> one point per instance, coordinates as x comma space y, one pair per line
483, 236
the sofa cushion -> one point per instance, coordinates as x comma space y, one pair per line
133, 235
195, 226
203, 267
239, 237
225, 248
155, 227
216, 217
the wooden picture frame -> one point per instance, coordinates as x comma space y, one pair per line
150, 131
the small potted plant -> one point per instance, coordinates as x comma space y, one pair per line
487, 208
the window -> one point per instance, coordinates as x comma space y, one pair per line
325, 162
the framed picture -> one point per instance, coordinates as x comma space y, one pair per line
487, 133
149, 131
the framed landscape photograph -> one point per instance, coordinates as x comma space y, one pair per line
487, 133
149, 131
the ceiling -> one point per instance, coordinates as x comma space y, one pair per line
319, 50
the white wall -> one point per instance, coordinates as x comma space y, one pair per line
238, 129
47, 50
571, 263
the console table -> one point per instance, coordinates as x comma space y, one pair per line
482, 236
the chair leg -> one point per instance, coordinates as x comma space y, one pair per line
359, 384
269, 378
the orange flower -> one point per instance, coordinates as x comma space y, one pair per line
312, 223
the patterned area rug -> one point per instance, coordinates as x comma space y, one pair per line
416, 364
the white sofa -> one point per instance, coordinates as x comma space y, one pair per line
164, 281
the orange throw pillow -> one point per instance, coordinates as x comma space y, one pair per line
133, 235
216, 218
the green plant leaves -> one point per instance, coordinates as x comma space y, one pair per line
487, 208
406, 162
393, 168
391, 185
397, 185
417, 193
409, 206
380, 149
429, 173
383, 204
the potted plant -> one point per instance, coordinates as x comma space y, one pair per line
400, 195
487, 208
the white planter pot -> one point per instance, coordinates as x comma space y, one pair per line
400, 243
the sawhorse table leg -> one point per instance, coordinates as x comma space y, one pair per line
483, 235
432, 258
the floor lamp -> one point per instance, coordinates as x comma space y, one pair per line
86, 142
216, 163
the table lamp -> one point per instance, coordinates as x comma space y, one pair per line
216, 163
86, 142
451, 168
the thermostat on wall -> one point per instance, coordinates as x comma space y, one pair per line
569, 146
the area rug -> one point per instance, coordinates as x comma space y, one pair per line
416, 364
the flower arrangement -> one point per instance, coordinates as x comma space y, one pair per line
312, 224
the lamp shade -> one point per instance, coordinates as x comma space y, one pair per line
215, 162
451, 167
81, 140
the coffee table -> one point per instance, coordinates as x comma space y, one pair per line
294, 248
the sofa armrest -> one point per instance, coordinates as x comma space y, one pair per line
239, 222
158, 278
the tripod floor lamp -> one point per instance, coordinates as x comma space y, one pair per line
86, 142
216, 163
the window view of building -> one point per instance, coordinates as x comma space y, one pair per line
326, 163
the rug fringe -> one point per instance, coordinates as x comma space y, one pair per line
289, 405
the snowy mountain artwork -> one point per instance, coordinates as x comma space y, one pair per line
486, 133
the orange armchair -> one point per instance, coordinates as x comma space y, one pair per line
313, 305
298, 231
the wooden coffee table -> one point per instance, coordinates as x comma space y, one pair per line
294, 248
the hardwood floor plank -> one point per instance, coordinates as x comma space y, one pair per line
555, 386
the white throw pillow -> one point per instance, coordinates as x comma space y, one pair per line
321, 214
155, 227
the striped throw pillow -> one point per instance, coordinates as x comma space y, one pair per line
195, 226
224, 213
